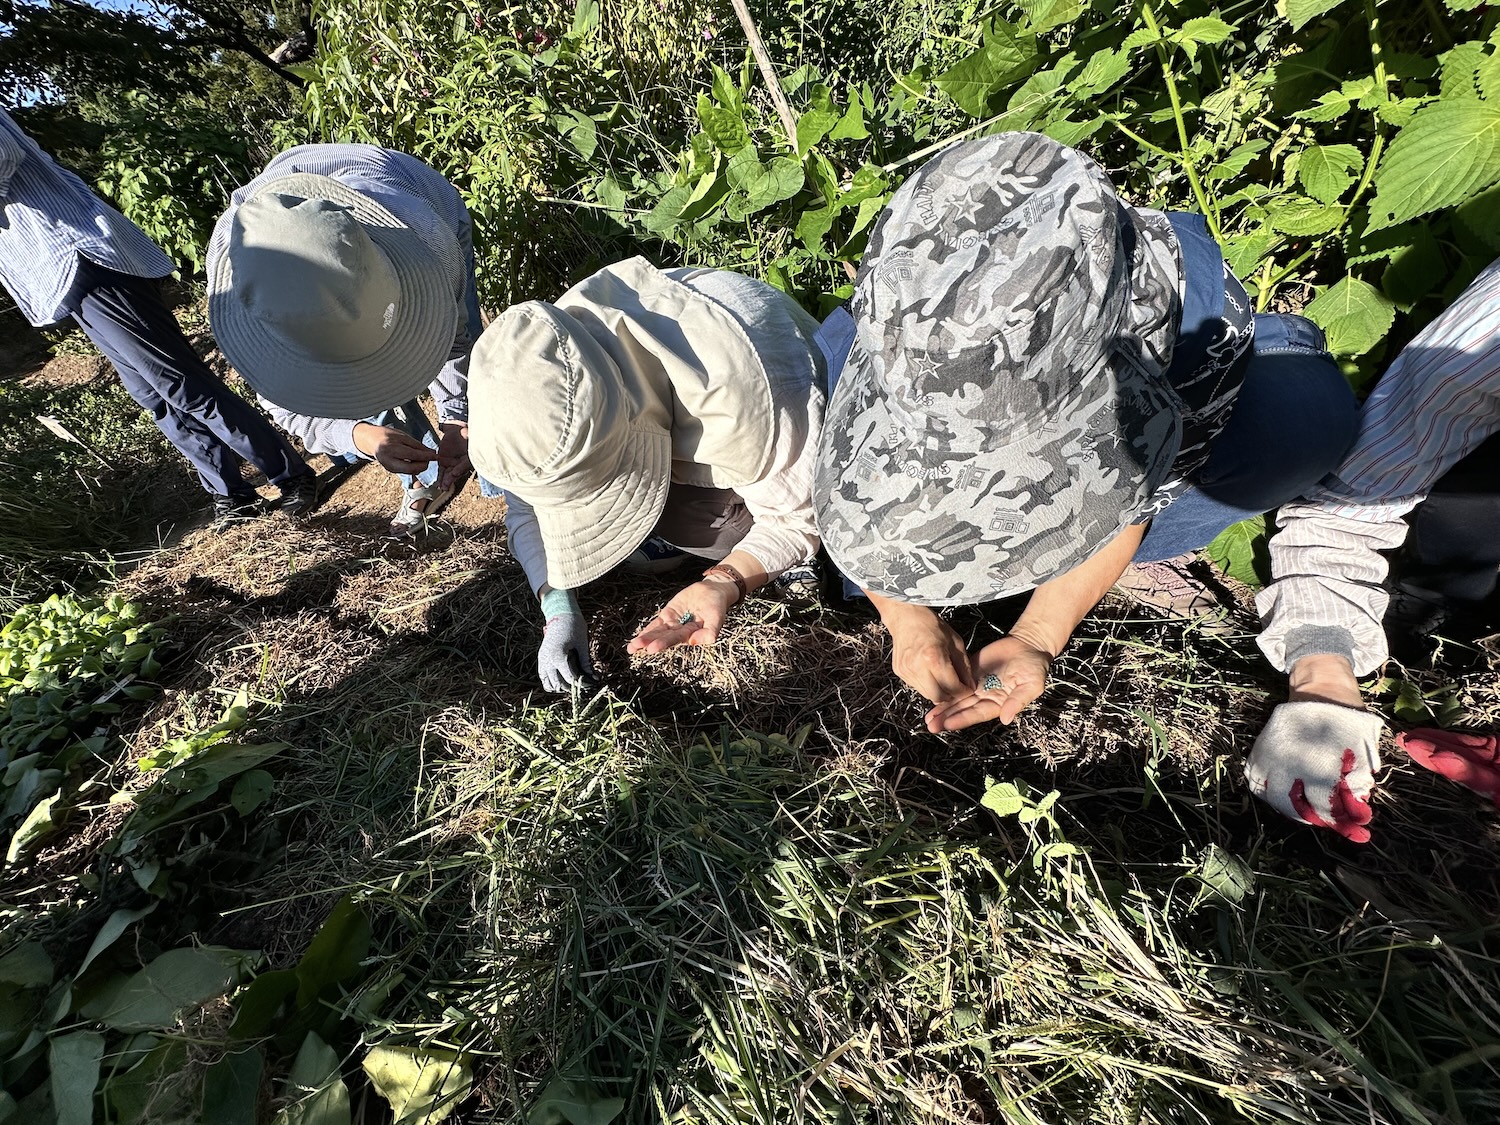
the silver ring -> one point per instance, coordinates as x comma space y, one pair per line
992, 682
686, 619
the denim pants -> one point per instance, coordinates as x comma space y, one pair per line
210, 425
1292, 422
1454, 548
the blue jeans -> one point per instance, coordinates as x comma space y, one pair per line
210, 425
1293, 420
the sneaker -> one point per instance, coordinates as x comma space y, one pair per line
237, 508
803, 581
654, 556
1171, 589
418, 505
299, 496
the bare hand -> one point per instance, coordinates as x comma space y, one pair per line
453, 454
395, 450
1017, 674
693, 617
926, 653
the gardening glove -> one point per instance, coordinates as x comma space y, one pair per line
1472, 760
1316, 762
563, 660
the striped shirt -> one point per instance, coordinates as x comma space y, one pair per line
422, 199
48, 217
1438, 402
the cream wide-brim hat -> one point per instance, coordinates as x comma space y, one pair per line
397, 369
551, 422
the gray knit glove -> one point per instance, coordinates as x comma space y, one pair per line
1316, 762
563, 659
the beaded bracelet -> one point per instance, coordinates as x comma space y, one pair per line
727, 571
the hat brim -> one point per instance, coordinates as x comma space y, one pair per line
964, 527
399, 371
587, 538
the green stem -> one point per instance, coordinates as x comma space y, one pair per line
1164, 54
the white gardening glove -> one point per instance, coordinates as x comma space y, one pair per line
563, 659
1316, 762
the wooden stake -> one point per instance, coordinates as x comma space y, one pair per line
767, 72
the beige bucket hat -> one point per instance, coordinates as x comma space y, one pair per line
588, 409
326, 302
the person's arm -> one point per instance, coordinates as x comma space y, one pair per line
562, 659
1020, 660
696, 614
927, 655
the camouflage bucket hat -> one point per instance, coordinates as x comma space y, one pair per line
1003, 412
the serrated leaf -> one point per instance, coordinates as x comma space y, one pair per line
1326, 171
1240, 551
1002, 798
1103, 71
1141, 37
1353, 314
1236, 160
1244, 252
74, 1062
1006, 57
1304, 218
1447, 153
1207, 30
422, 1086
1300, 13
1463, 5
1044, 15
1460, 70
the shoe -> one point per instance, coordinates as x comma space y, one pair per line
236, 509
299, 496
418, 505
803, 581
654, 556
1170, 588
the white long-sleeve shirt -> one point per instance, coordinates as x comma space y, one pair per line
780, 503
1438, 401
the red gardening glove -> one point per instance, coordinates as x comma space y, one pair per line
1472, 760
1316, 762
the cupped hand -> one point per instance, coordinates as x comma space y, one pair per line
926, 653
693, 617
453, 454
1015, 671
393, 449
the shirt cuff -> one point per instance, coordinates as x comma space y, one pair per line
1317, 640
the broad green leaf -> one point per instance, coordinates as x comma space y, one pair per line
1244, 252
1418, 271
1006, 57
725, 127
257, 1005
851, 126
1302, 12
814, 225
177, 980
1203, 29
1236, 160
609, 192
1240, 551
1460, 73
764, 184
1463, 5
1140, 37
37, 826
1103, 71
666, 215
137, 1097
74, 1062
1448, 153
231, 1087
1002, 798
726, 91
1303, 218
1225, 876
317, 1087
422, 1086
26, 965
1071, 132
335, 951
1326, 171
565, 1102
251, 791
1353, 314
1044, 15
194, 781
820, 116
1480, 218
